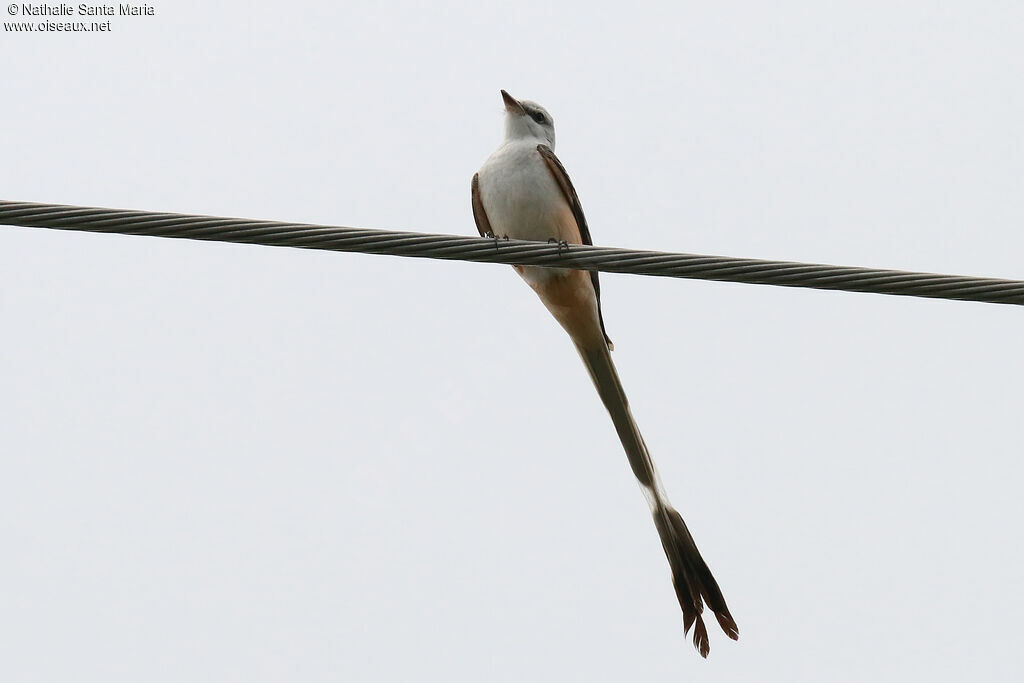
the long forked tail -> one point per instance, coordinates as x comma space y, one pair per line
693, 581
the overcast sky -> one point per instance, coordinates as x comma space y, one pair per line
243, 463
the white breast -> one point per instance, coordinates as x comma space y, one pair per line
520, 196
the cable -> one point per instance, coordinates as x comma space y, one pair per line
520, 252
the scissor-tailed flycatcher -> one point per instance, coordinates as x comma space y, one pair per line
522, 191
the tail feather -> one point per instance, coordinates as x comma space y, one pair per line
695, 585
693, 581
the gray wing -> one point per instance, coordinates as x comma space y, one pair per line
562, 178
483, 225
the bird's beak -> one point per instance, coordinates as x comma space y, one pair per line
512, 105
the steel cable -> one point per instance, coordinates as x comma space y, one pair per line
519, 252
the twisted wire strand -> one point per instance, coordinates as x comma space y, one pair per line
518, 252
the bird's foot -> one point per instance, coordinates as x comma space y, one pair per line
562, 244
491, 235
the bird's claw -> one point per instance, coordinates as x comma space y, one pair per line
562, 244
491, 235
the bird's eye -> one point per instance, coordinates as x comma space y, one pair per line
537, 116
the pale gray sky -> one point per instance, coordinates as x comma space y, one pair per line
239, 463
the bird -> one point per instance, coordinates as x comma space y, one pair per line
522, 191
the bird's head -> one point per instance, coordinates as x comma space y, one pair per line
526, 120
